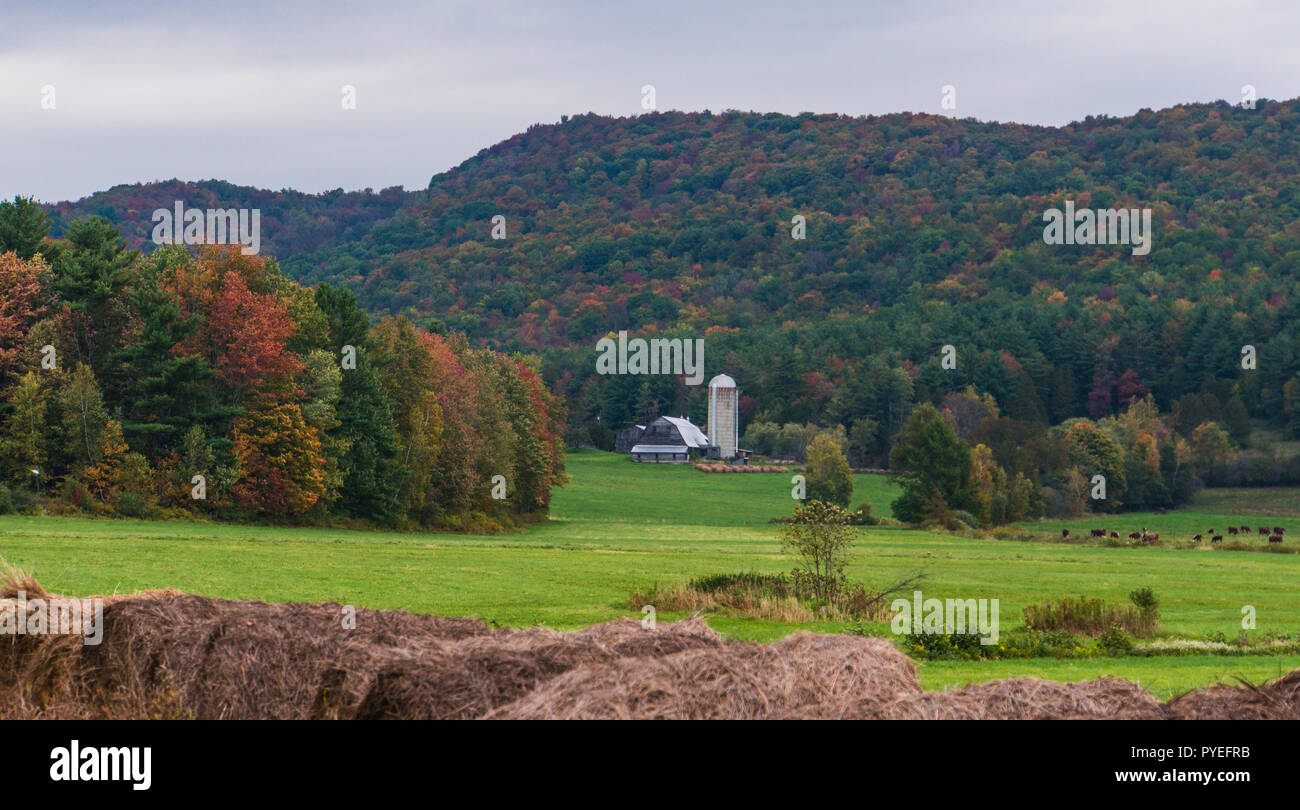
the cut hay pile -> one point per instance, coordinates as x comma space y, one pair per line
167, 654
469, 678
1026, 699
1277, 700
802, 676
171, 655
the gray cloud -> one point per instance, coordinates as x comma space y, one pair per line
249, 92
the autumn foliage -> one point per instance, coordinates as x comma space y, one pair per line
205, 381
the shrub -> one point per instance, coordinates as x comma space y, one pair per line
1021, 642
1026, 642
1089, 617
1144, 599
132, 505
6, 500
1115, 641
863, 516
821, 536
778, 597
965, 518
945, 646
829, 478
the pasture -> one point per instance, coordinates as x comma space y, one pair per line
620, 527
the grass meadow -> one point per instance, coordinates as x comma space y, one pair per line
620, 528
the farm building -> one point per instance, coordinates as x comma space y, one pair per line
724, 416
627, 438
670, 439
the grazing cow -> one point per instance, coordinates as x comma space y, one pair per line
1233, 530
1218, 538
1263, 530
1279, 530
1275, 538
1245, 530
1098, 532
1134, 536
1114, 535
1196, 539
1065, 533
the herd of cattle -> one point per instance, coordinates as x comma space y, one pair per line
1274, 534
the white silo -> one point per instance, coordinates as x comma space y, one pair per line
724, 415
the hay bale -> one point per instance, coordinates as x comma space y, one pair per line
1276, 700
1026, 699
166, 655
469, 678
803, 675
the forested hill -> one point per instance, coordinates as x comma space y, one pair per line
292, 222
922, 231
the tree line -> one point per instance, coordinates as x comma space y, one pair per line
205, 381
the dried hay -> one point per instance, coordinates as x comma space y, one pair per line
1026, 699
803, 675
467, 679
167, 654
1276, 700
176, 655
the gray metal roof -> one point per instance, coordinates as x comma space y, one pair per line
660, 448
691, 433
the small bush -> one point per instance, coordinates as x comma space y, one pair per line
1089, 617
863, 516
1144, 599
820, 536
778, 597
1021, 642
1115, 641
132, 505
966, 519
946, 646
775, 584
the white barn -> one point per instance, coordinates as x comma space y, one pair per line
670, 439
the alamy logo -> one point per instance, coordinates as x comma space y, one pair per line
209, 226
656, 356
52, 616
951, 616
1113, 226
91, 764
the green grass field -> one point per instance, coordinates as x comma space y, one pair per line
621, 527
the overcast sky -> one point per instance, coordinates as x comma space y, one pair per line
250, 92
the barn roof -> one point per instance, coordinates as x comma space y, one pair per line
660, 448
691, 434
